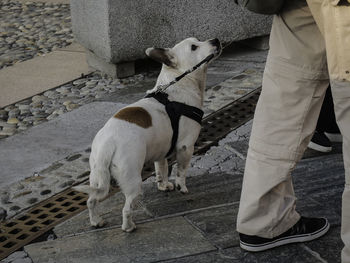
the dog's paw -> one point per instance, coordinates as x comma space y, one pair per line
100, 224
165, 187
129, 227
182, 189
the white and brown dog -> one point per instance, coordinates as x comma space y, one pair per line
142, 132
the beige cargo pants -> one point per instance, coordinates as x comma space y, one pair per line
304, 57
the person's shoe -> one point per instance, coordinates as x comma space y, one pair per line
334, 137
306, 229
320, 142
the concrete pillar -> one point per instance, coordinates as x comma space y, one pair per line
119, 31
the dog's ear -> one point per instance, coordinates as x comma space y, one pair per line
162, 55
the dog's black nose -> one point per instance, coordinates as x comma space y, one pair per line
215, 42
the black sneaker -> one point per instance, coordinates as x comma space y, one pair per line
320, 142
306, 229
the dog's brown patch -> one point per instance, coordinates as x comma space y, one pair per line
136, 115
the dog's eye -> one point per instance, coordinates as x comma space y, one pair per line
194, 47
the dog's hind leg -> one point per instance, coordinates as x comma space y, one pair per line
163, 183
99, 187
183, 157
95, 219
99, 181
131, 192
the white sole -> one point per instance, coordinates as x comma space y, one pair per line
319, 148
285, 240
334, 137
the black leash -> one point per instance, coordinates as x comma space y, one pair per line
162, 88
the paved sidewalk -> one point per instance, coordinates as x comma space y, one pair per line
39, 74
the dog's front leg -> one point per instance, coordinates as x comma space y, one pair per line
162, 176
183, 157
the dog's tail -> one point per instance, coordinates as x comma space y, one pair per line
99, 175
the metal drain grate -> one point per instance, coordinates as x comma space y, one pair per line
220, 123
18, 232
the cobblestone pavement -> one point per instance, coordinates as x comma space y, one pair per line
52, 103
32, 29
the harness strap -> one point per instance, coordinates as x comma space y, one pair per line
174, 110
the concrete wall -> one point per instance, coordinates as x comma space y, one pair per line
120, 30
90, 23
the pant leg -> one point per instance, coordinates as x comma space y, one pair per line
334, 22
341, 97
294, 84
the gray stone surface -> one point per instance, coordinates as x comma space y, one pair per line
119, 31
310, 207
110, 210
329, 246
17, 257
241, 146
153, 241
286, 254
37, 148
218, 225
204, 191
314, 176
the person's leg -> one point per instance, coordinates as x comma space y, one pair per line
319, 141
294, 84
341, 97
334, 22
327, 130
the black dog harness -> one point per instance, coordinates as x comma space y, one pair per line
175, 110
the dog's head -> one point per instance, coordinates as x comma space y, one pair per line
186, 54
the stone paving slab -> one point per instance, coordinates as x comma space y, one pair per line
322, 180
241, 148
204, 191
217, 160
153, 241
286, 254
39, 74
231, 89
37, 148
329, 246
110, 210
218, 225
310, 207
